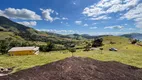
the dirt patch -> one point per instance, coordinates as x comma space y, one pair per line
76, 68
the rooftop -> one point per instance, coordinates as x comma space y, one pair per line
23, 48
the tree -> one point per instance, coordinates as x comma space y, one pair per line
134, 41
48, 47
101, 50
87, 47
70, 47
97, 42
4, 46
72, 50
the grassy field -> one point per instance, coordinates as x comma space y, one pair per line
23, 62
4, 35
127, 54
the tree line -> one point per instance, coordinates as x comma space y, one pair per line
8, 43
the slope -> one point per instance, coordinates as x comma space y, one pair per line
30, 34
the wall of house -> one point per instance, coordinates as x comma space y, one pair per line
15, 53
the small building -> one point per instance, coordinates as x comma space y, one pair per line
15, 51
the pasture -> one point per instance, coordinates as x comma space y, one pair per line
127, 53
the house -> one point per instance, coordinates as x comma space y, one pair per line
23, 51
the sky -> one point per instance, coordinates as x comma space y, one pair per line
94, 17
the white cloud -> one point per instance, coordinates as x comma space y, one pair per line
29, 24
24, 14
85, 25
121, 5
92, 11
131, 29
74, 3
56, 13
46, 13
64, 18
94, 23
139, 24
111, 33
58, 31
100, 18
78, 22
114, 27
2, 13
135, 14
56, 18
93, 27
67, 24
108, 6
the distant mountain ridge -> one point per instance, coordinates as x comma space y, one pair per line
133, 36
29, 33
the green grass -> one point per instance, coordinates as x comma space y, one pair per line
127, 53
4, 35
134, 59
23, 62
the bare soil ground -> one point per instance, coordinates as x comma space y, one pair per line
77, 68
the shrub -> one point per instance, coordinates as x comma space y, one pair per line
87, 47
97, 42
134, 41
70, 47
48, 47
72, 50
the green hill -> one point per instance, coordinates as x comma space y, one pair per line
6, 35
12, 26
10, 29
123, 44
29, 34
7, 25
133, 36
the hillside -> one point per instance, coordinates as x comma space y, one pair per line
8, 27
28, 33
118, 42
5, 35
123, 44
133, 36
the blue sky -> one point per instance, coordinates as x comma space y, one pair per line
94, 17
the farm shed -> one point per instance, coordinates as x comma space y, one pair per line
23, 51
